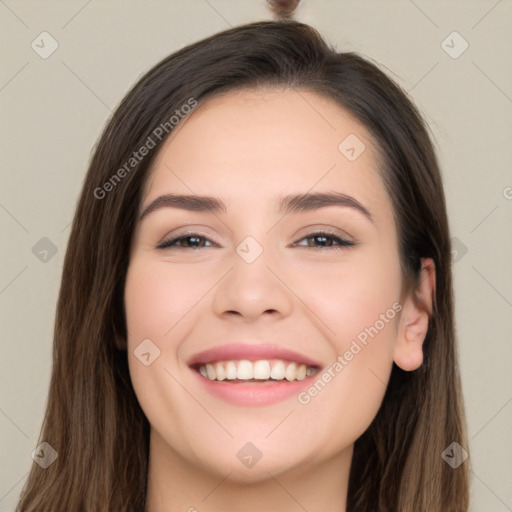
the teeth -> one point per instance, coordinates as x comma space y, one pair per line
291, 371
261, 370
210, 370
219, 371
258, 370
230, 370
300, 374
244, 370
278, 371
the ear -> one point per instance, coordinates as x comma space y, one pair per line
416, 311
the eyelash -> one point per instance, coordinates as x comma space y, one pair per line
341, 242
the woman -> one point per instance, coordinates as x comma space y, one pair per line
256, 307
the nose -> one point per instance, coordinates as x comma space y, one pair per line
253, 290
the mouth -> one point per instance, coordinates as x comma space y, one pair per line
262, 370
253, 374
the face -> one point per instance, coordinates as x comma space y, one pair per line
269, 319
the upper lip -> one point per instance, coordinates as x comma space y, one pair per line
251, 352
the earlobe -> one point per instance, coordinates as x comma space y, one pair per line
414, 320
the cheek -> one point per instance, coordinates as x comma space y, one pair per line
359, 308
348, 392
350, 296
156, 299
156, 304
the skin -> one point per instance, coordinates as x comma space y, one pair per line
247, 148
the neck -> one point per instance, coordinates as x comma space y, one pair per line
177, 485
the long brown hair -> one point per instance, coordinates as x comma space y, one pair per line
93, 419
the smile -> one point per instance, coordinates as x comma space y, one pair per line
253, 374
257, 371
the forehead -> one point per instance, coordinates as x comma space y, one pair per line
252, 145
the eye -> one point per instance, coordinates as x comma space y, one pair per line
314, 240
325, 240
189, 241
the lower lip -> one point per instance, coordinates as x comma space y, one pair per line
253, 394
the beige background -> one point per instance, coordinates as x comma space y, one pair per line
54, 109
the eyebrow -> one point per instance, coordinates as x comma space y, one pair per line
293, 203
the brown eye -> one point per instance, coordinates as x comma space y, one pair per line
191, 241
325, 240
